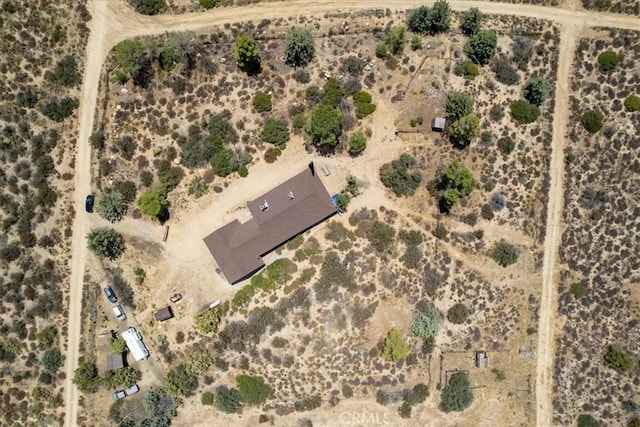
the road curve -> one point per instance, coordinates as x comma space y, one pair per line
113, 21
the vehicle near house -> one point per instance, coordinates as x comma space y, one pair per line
118, 395
117, 310
111, 296
88, 203
176, 297
131, 390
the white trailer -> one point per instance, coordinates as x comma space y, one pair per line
133, 339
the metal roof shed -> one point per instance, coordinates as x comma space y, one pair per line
163, 314
115, 362
133, 339
437, 124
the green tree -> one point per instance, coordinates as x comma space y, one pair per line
618, 359
459, 104
416, 42
463, 130
426, 324
224, 162
180, 381
262, 102
591, 121
199, 361
395, 348
275, 132
505, 73
227, 399
117, 345
106, 242
523, 112
122, 378
111, 206
148, 7
85, 377
52, 360
440, 17
342, 201
632, 103
608, 60
419, 20
66, 72
586, 420
208, 321
253, 390
207, 398
471, 21
482, 47
505, 253
332, 93
381, 51
364, 107
153, 203
178, 52
467, 69
357, 143
397, 175
323, 127
59, 109
299, 47
247, 53
454, 182
396, 38
129, 55
537, 90
457, 395
209, 4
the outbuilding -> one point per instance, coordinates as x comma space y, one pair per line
163, 314
115, 362
482, 360
437, 124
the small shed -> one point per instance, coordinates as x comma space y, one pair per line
437, 124
482, 360
163, 314
115, 362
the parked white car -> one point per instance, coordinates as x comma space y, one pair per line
117, 310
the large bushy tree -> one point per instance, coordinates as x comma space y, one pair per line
537, 90
457, 395
86, 378
299, 47
253, 390
323, 127
106, 242
395, 347
482, 47
454, 182
471, 21
434, 20
459, 104
247, 53
111, 206
463, 130
427, 324
397, 175
153, 203
396, 39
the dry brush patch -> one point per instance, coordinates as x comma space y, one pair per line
599, 252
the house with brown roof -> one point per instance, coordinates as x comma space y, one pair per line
282, 213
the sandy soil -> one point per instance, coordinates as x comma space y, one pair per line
114, 21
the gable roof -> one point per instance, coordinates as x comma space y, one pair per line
278, 215
164, 313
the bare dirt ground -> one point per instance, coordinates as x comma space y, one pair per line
113, 22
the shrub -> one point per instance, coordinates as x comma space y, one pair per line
396, 38
591, 121
111, 206
253, 390
632, 103
180, 381
608, 60
586, 420
396, 176
324, 126
459, 104
352, 65
522, 51
482, 47
153, 203
299, 121
467, 69
471, 21
458, 313
395, 348
271, 155
496, 113
618, 359
364, 107
523, 112
357, 143
207, 398
427, 324
299, 47
332, 93
301, 76
85, 377
66, 72
59, 109
457, 395
262, 102
578, 289
52, 360
227, 399
208, 321
275, 132
505, 253
381, 51
497, 202
148, 7
505, 73
243, 172
416, 42
537, 90
106, 242
381, 236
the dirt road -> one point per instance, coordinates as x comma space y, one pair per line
113, 21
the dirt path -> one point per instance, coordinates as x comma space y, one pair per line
548, 302
113, 22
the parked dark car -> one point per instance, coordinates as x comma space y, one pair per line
88, 204
110, 294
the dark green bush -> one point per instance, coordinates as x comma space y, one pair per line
506, 145
505, 73
59, 109
608, 60
458, 313
632, 103
275, 132
578, 289
262, 102
467, 69
586, 420
523, 112
505, 253
396, 175
591, 121
457, 395
207, 398
618, 359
